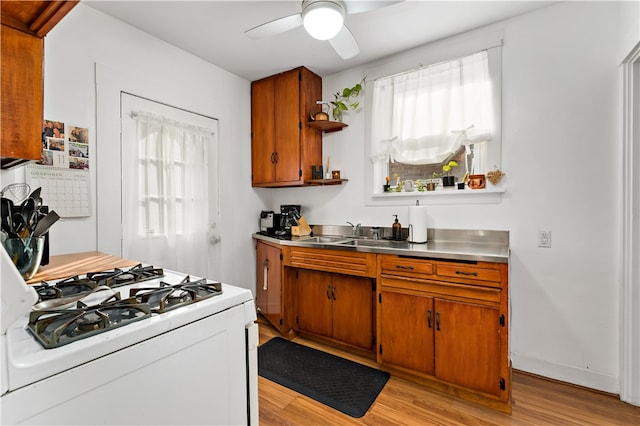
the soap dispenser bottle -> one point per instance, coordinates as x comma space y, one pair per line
396, 229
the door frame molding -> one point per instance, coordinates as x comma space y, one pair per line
629, 374
109, 83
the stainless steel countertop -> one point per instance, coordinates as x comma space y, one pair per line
453, 244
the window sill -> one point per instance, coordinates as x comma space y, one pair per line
490, 194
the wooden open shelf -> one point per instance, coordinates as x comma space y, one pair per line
326, 126
325, 181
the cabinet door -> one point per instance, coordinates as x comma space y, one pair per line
269, 283
467, 342
287, 127
263, 131
353, 310
314, 302
22, 95
406, 336
261, 287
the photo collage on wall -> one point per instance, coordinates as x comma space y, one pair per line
65, 147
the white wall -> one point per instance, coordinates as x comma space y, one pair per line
561, 156
86, 37
629, 28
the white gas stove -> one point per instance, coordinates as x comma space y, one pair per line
165, 349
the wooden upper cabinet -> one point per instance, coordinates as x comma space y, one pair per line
283, 147
24, 25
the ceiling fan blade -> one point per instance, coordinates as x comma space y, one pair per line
365, 6
345, 44
276, 26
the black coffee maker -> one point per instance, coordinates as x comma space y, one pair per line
289, 215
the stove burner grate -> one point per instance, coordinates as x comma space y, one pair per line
118, 277
58, 327
114, 278
55, 322
167, 296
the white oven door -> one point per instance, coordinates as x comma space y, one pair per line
195, 374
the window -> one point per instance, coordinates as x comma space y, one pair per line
421, 119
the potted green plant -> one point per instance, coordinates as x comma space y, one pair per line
345, 100
446, 179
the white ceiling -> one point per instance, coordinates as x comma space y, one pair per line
214, 30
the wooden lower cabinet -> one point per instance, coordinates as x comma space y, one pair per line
467, 345
442, 323
446, 324
450, 340
336, 306
315, 307
406, 331
269, 291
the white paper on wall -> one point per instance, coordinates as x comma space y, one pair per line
64, 190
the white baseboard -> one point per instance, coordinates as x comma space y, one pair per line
569, 374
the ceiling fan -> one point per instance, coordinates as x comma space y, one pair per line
323, 20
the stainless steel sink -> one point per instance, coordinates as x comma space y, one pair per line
325, 239
375, 243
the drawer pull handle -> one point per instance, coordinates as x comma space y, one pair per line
265, 277
328, 290
472, 274
410, 268
429, 318
438, 321
333, 293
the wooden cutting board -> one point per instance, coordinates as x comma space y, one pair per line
67, 265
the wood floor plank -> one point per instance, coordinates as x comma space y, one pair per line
536, 402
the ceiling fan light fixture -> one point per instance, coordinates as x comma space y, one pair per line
323, 19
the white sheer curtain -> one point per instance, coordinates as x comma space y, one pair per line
166, 197
418, 116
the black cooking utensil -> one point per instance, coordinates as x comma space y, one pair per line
37, 198
45, 223
7, 217
25, 221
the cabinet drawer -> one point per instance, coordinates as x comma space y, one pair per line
344, 262
489, 276
395, 265
449, 290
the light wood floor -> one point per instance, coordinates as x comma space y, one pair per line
536, 401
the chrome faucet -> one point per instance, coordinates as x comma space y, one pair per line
355, 229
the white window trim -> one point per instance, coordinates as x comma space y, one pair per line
438, 52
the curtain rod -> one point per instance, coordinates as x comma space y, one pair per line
144, 115
420, 67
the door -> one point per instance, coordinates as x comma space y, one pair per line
467, 342
263, 151
269, 282
170, 210
406, 337
275, 129
314, 301
353, 310
287, 126
22, 86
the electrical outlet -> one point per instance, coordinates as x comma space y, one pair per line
544, 238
